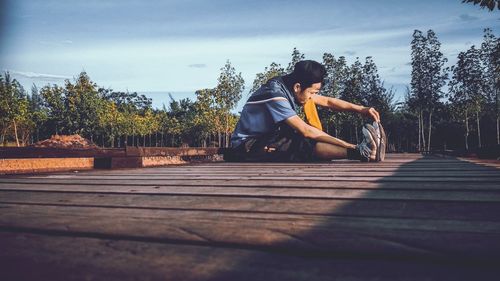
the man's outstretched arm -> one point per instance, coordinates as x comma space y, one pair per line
311, 132
341, 105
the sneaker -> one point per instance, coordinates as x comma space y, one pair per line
382, 141
375, 133
368, 147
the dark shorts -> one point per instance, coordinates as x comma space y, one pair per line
285, 145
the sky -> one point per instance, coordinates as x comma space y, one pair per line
179, 46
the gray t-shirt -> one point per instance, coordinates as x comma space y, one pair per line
271, 104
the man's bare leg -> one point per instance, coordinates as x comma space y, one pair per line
328, 151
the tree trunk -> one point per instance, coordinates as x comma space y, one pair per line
429, 136
498, 130
144, 141
422, 127
226, 139
15, 133
466, 131
419, 124
356, 133
478, 130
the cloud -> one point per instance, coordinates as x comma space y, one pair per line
38, 76
467, 17
198, 65
350, 53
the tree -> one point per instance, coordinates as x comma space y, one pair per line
334, 84
38, 112
227, 94
53, 99
496, 65
353, 92
436, 78
416, 99
83, 102
111, 121
13, 106
296, 57
490, 4
206, 118
428, 77
466, 88
489, 61
374, 91
273, 70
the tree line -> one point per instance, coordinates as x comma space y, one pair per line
445, 107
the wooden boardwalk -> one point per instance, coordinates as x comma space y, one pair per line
409, 218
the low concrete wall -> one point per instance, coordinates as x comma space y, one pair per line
162, 160
154, 161
24, 160
37, 165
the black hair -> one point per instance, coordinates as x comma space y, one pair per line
308, 72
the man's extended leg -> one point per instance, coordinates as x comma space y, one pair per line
365, 151
326, 151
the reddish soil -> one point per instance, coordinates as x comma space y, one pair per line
62, 141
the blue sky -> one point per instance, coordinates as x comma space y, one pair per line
180, 45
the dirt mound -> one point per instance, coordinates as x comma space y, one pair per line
62, 141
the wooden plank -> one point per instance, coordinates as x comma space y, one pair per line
312, 174
475, 241
44, 257
364, 194
280, 177
47, 184
462, 210
212, 169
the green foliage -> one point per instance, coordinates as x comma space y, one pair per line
115, 118
296, 57
15, 116
428, 77
229, 88
273, 70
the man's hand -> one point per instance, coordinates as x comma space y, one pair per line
370, 112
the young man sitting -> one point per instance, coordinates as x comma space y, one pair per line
269, 128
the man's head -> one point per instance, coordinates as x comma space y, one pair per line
307, 78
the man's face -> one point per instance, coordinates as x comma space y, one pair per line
303, 95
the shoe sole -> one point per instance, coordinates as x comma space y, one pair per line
383, 143
373, 138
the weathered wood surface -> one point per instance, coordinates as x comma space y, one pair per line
409, 218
